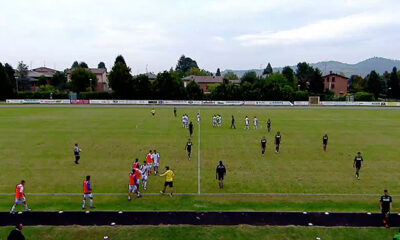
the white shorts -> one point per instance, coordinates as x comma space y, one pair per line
144, 178
156, 164
150, 165
19, 200
87, 195
132, 188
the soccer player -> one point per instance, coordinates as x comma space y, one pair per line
188, 148
149, 160
325, 142
214, 121
385, 203
233, 123
87, 193
269, 125
153, 112
175, 111
132, 187
357, 164
77, 155
169, 180
246, 122
220, 173
136, 164
190, 129
183, 121
278, 139
198, 118
219, 120
156, 161
145, 172
263, 145
255, 122
19, 197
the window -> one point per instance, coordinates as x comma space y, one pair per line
333, 79
333, 86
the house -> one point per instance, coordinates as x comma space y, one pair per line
203, 81
34, 75
336, 83
101, 75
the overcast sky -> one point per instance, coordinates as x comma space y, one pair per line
229, 34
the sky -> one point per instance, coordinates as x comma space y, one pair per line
225, 34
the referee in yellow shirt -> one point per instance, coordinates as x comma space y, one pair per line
169, 180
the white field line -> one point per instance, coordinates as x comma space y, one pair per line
198, 160
212, 194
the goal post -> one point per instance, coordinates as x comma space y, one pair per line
313, 100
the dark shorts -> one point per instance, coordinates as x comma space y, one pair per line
385, 211
325, 143
168, 184
189, 150
220, 176
358, 165
262, 149
77, 157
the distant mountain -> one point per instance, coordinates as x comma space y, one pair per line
363, 68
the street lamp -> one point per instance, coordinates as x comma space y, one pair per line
90, 82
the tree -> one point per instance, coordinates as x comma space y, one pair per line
120, 79
197, 72
184, 64
373, 84
225, 91
102, 65
356, 84
168, 86
193, 91
6, 89
289, 75
394, 85
141, 86
22, 73
81, 79
316, 82
250, 77
75, 64
42, 81
218, 73
11, 75
304, 73
58, 80
83, 65
268, 70
120, 59
230, 76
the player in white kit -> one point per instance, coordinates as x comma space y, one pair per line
214, 119
156, 161
255, 123
246, 121
198, 118
144, 169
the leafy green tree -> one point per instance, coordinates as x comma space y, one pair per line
268, 70
356, 84
11, 75
218, 73
230, 76
82, 79
193, 91
6, 89
141, 86
59, 80
289, 75
225, 91
304, 73
22, 73
168, 86
101, 65
120, 59
316, 82
184, 64
287, 93
373, 84
394, 85
197, 72
42, 81
249, 77
75, 64
83, 65
120, 80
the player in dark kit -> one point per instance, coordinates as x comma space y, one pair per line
233, 123
220, 173
325, 141
188, 148
357, 164
269, 125
190, 129
263, 145
278, 139
385, 203
175, 111
77, 155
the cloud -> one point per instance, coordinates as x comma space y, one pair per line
331, 29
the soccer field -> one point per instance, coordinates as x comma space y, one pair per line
37, 146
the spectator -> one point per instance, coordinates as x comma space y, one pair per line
16, 234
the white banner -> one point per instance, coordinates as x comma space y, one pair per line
15, 101
301, 103
54, 101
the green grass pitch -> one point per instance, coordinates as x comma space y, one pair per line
37, 145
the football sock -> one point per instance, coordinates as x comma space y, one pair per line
83, 203
91, 203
